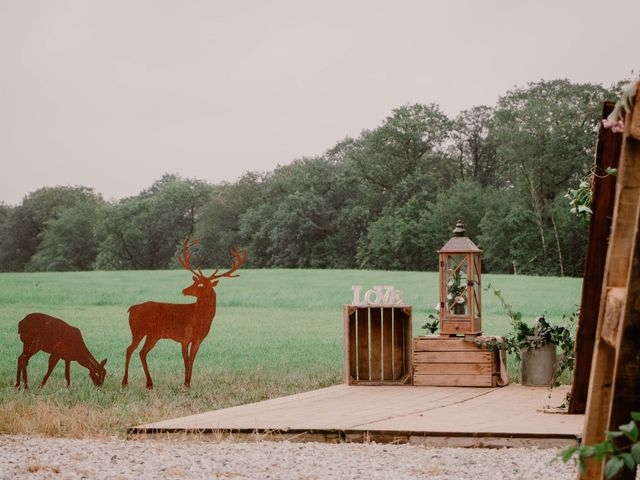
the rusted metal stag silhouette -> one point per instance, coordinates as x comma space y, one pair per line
187, 324
39, 331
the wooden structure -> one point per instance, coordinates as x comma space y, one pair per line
453, 362
435, 416
603, 197
614, 389
377, 344
459, 272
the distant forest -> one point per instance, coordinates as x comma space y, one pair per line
388, 199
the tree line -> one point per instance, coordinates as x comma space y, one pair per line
387, 199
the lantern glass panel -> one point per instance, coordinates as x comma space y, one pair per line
476, 285
456, 284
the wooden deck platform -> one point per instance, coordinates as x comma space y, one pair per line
436, 416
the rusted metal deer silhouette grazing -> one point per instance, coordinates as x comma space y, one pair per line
39, 331
187, 324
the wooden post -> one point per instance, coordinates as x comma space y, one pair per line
603, 198
614, 389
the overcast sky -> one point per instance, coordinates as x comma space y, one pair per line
113, 94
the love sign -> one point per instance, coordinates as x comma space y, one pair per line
378, 295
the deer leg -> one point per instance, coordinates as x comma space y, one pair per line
185, 358
53, 361
148, 345
19, 374
23, 361
134, 344
67, 372
192, 356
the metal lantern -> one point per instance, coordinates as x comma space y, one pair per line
460, 285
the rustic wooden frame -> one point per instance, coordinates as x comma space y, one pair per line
614, 389
603, 199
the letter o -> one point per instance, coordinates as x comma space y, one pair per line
367, 297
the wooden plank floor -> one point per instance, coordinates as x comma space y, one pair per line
456, 416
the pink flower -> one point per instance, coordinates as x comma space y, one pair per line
616, 126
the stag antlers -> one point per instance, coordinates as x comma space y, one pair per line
185, 261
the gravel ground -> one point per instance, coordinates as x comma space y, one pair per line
60, 458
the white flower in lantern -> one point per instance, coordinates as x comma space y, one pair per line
460, 299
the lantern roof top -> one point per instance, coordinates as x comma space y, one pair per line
460, 243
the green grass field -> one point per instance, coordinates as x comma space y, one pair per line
276, 332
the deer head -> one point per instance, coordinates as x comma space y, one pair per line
203, 284
97, 373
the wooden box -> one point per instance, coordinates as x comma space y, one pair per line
453, 362
377, 345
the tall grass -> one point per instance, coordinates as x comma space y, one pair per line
276, 332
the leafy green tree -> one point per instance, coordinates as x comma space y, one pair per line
27, 222
143, 232
411, 139
69, 241
474, 147
218, 226
546, 136
408, 237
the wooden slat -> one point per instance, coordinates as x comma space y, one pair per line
349, 369
452, 369
376, 344
453, 327
603, 199
612, 315
407, 340
399, 327
626, 389
387, 344
453, 357
433, 344
351, 346
363, 344
453, 380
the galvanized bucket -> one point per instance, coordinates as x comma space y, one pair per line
538, 364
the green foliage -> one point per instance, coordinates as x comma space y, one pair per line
69, 242
525, 336
621, 448
143, 232
433, 325
580, 198
25, 225
387, 199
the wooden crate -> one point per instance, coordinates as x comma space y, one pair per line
377, 345
453, 362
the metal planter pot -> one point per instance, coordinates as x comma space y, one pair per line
538, 365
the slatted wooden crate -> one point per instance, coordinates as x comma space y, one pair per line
453, 362
377, 345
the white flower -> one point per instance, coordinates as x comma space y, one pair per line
460, 299
437, 307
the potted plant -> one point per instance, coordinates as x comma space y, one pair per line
536, 346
